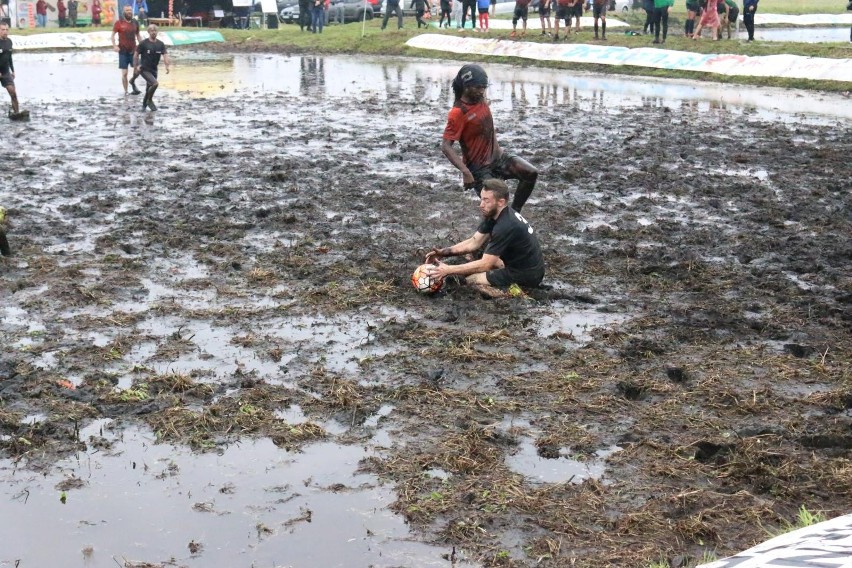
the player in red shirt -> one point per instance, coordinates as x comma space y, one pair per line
127, 30
470, 123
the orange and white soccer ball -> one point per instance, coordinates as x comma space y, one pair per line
424, 282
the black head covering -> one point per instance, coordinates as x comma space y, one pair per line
470, 74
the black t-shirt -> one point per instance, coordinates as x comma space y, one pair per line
6, 56
512, 239
149, 53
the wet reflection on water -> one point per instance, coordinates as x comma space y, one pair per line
384, 82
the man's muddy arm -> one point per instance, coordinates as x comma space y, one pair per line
484, 264
474, 243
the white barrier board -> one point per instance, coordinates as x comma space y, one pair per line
789, 66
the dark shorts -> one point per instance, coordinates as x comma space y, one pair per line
521, 13
125, 59
578, 10
496, 169
6, 80
563, 12
149, 76
505, 277
692, 6
544, 12
600, 11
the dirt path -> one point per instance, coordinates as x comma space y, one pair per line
202, 270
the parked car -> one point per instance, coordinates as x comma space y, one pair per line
343, 11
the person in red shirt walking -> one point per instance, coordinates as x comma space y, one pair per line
470, 123
127, 30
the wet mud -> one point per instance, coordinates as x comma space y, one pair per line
233, 270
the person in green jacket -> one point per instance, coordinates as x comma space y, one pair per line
661, 17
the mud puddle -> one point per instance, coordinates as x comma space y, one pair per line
229, 277
199, 74
250, 503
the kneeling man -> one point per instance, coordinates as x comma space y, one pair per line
512, 254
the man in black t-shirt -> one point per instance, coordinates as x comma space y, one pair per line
145, 63
7, 68
512, 253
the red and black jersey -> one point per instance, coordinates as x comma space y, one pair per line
473, 127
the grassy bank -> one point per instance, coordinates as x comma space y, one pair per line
348, 39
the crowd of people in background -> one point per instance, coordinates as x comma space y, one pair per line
719, 16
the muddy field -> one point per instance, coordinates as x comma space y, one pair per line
235, 268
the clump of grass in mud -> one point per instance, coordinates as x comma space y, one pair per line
251, 413
178, 383
804, 518
347, 294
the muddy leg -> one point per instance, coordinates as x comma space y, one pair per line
526, 174
13, 94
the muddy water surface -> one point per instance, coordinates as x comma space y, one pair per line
218, 293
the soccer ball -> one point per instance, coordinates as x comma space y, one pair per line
424, 282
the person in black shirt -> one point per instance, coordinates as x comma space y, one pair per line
512, 254
145, 63
7, 68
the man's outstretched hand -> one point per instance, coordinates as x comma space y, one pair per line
433, 255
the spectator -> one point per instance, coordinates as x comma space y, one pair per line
62, 13
72, 12
392, 6
305, 15
457, 10
749, 9
41, 14
97, 9
728, 14
483, 6
648, 6
469, 5
318, 16
578, 13
445, 10
544, 16
692, 9
564, 10
5, 13
661, 19
599, 13
522, 12
709, 18
140, 11
421, 6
